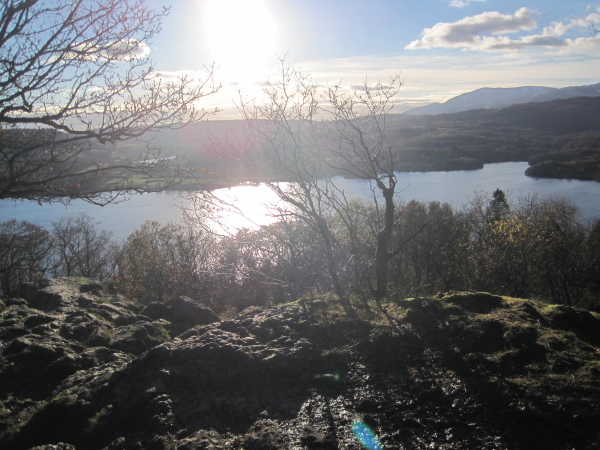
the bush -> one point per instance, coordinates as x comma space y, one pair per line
159, 263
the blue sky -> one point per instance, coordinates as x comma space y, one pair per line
441, 47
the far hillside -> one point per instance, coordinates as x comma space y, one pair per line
496, 98
558, 133
559, 138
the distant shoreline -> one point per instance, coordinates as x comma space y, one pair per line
549, 170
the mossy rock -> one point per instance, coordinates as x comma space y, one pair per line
482, 334
59, 420
479, 302
140, 337
583, 323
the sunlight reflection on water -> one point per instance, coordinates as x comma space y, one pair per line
453, 187
250, 206
456, 188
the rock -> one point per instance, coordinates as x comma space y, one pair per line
93, 287
48, 299
12, 321
265, 435
156, 310
37, 364
15, 301
41, 348
186, 310
479, 302
284, 378
184, 313
83, 327
59, 446
139, 337
114, 313
581, 322
207, 439
38, 319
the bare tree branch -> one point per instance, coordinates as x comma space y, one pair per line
75, 76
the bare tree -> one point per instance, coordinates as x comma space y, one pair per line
159, 262
359, 121
75, 77
81, 249
25, 253
306, 133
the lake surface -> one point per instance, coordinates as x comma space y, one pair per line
456, 188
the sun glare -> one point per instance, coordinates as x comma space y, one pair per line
241, 36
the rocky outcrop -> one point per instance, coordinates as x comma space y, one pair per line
183, 313
458, 371
56, 327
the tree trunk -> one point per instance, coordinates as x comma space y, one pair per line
382, 255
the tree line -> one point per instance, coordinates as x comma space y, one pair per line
534, 248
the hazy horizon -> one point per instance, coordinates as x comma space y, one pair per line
442, 48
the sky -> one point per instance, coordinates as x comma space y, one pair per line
440, 48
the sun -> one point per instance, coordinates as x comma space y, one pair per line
241, 36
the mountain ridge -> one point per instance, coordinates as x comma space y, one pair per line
498, 98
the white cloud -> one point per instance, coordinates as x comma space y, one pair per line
584, 43
461, 4
504, 43
363, 87
583, 23
191, 78
465, 33
128, 50
172, 76
470, 33
556, 29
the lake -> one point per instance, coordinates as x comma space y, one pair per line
456, 188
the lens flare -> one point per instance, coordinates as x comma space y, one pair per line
366, 436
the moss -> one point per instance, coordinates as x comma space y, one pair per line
54, 420
99, 420
327, 317
100, 316
15, 413
163, 334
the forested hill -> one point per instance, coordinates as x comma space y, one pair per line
558, 117
575, 115
559, 138
564, 116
